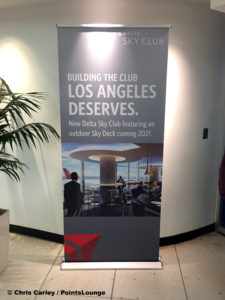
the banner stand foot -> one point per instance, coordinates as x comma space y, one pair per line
139, 265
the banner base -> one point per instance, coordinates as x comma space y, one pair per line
149, 265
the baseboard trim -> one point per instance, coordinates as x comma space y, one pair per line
45, 235
183, 237
59, 238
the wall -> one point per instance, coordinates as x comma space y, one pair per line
195, 99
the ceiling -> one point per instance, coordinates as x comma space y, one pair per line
6, 4
218, 5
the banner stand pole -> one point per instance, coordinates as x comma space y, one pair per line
138, 265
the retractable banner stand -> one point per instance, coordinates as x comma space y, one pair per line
112, 91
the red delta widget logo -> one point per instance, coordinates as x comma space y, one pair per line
79, 247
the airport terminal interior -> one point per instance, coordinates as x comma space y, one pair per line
172, 183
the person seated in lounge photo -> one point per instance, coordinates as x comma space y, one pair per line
155, 189
140, 188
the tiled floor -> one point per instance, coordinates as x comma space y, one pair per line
193, 270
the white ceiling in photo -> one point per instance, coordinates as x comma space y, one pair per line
218, 5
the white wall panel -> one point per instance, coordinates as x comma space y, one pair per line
195, 99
